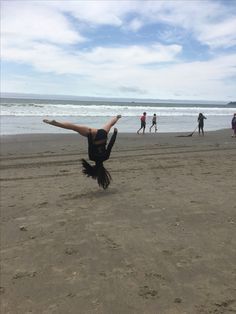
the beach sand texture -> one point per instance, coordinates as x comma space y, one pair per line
161, 239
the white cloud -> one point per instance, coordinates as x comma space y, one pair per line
133, 54
135, 25
222, 34
40, 34
211, 80
29, 21
103, 70
93, 12
212, 23
47, 57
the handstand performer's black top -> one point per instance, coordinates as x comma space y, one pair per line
99, 152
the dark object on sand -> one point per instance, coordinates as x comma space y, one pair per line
189, 135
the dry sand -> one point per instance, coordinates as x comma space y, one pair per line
161, 239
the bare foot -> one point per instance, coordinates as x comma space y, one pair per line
118, 116
46, 121
49, 121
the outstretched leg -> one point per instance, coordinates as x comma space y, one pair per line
82, 130
110, 124
139, 130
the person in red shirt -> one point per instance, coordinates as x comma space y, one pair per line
143, 123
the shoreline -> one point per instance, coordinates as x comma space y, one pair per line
147, 134
128, 124
39, 143
125, 133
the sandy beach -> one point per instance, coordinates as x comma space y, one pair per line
161, 239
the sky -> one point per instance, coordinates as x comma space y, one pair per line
125, 49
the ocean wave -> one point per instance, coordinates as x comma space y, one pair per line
101, 110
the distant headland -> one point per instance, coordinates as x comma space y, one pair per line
232, 104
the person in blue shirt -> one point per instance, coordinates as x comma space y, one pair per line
98, 149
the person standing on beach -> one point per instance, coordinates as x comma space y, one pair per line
154, 123
143, 123
98, 150
201, 119
233, 124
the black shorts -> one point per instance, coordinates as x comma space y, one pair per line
143, 124
100, 135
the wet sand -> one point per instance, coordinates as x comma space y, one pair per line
161, 239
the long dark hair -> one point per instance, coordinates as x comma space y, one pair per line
97, 172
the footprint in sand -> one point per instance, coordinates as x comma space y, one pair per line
23, 228
70, 251
110, 243
177, 300
229, 304
42, 204
154, 275
167, 252
147, 293
226, 306
24, 274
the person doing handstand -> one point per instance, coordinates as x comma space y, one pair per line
98, 150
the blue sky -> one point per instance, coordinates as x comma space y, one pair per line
129, 49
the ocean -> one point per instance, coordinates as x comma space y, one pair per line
24, 116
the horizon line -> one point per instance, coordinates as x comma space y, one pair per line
98, 98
